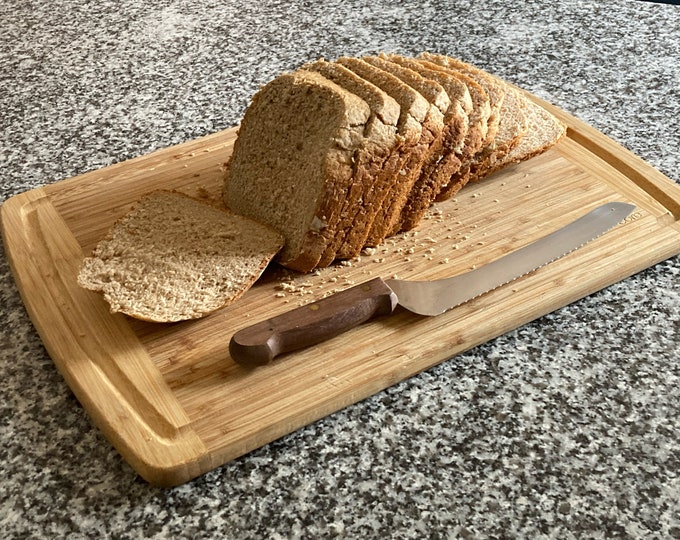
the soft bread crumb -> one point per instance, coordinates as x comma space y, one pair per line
173, 258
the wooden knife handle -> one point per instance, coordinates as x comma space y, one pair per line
312, 323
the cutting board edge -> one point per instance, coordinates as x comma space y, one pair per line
659, 186
145, 409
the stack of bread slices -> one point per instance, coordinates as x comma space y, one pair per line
339, 155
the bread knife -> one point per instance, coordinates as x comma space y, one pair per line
317, 321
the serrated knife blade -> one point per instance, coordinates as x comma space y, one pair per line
312, 323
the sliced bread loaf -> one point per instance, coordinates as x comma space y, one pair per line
293, 162
340, 155
455, 121
420, 123
377, 162
173, 258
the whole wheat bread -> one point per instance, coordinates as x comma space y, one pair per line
377, 162
315, 152
420, 123
543, 131
173, 258
513, 127
479, 116
293, 162
494, 87
455, 122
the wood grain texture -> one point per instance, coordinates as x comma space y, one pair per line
169, 397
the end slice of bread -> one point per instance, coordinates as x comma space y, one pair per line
174, 258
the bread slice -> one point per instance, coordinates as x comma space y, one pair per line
173, 258
477, 135
468, 92
377, 162
495, 89
478, 117
455, 121
293, 161
512, 129
457, 128
493, 86
543, 132
420, 124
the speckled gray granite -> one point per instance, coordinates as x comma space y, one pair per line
568, 427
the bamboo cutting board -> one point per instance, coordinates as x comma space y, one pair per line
169, 397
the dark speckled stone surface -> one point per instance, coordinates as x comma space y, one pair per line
568, 427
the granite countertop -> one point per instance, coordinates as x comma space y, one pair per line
568, 427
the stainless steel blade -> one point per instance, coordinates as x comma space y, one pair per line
435, 297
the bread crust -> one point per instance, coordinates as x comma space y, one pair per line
454, 124
376, 163
421, 124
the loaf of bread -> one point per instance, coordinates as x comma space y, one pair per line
173, 258
296, 159
339, 155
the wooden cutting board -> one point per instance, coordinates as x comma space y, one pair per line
169, 397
